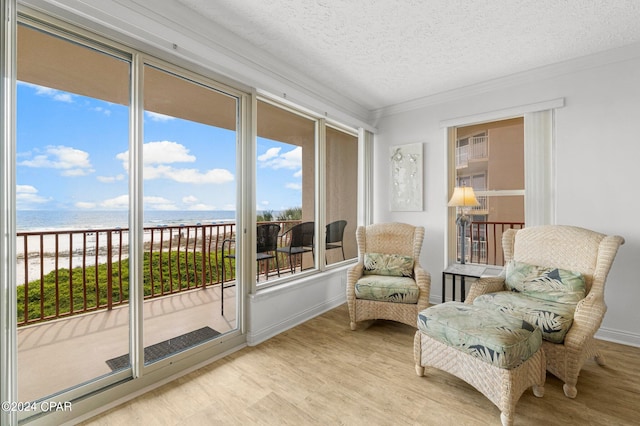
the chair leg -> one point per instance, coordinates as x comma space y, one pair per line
222, 289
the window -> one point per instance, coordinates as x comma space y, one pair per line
489, 158
341, 199
286, 183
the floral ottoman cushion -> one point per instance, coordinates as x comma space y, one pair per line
553, 318
499, 339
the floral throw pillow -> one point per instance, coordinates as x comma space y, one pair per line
393, 265
551, 284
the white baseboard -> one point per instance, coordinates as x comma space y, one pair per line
618, 336
266, 333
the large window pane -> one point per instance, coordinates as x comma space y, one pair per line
72, 213
189, 157
285, 183
490, 158
341, 195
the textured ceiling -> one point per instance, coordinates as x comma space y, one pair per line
384, 52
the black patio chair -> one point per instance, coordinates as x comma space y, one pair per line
300, 241
266, 245
335, 236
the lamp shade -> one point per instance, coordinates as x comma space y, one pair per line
463, 196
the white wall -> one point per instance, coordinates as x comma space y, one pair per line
597, 153
276, 309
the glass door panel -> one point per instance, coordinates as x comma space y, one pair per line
189, 157
72, 212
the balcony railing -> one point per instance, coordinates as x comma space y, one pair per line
484, 242
63, 273
477, 148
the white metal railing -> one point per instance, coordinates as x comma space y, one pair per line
483, 207
476, 149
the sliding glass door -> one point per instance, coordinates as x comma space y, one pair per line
189, 175
72, 211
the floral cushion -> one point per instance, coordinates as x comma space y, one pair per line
487, 334
553, 318
386, 288
393, 265
551, 284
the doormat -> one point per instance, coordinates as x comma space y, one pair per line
163, 349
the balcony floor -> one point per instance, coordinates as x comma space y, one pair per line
56, 355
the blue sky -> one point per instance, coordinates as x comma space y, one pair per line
72, 154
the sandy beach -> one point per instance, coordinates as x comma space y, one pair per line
73, 249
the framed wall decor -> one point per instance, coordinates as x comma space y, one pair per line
406, 177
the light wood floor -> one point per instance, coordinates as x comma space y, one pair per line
322, 373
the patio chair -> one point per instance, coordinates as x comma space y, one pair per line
266, 245
335, 236
299, 241
388, 281
554, 279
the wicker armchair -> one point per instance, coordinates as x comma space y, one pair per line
390, 239
568, 248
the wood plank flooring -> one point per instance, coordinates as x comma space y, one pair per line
322, 373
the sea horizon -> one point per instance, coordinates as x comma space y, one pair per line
48, 220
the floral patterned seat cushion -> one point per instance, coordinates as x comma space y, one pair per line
553, 318
394, 265
551, 284
499, 339
385, 288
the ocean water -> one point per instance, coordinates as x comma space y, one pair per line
48, 220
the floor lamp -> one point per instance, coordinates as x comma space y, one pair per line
462, 198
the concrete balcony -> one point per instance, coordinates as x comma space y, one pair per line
59, 354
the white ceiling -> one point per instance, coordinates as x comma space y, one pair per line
381, 53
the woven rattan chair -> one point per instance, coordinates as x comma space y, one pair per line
574, 249
395, 239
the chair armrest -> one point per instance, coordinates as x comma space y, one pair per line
423, 281
484, 286
586, 321
354, 273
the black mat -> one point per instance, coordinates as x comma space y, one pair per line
160, 350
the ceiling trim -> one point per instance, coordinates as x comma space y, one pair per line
504, 113
583, 63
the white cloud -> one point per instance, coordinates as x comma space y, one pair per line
201, 207
54, 94
190, 199
296, 186
159, 203
271, 153
72, 161
27, 195
104, 111
188, 175
158, 154
110, 179
154, 116
85, 205
26, 189
289, 160
119, 202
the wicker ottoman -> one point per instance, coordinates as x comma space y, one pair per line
497, 354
